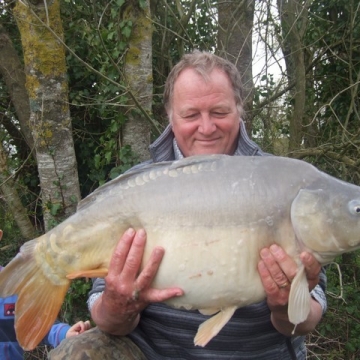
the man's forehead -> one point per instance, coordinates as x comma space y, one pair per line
225, 105
205, 76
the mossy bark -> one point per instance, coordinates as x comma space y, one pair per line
12, 71
138, 73
12, 198
50, 123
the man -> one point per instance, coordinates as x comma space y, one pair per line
203, 100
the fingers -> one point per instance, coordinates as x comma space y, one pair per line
128, 288
83, 326
147, 275
143, 289
277, 269
268, 282
281, 268
126, 280
78, 328
312, 268
121, 252
134, 256
74, 330
155, 295
87, 325
131, 272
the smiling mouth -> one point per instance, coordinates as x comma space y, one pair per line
208, 141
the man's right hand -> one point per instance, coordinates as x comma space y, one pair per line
128, 287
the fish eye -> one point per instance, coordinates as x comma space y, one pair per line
354, 207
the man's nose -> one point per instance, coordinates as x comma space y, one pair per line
207, 125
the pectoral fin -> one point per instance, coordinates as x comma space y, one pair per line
299, 298
211, 327
93, 273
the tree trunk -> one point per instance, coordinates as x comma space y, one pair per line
235, 42
46, 83
293, 23
8, 189
138, 74
13, 74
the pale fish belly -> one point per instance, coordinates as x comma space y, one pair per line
216, 267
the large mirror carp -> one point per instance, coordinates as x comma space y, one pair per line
212, 214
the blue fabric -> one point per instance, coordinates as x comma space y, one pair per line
56, 334
9, 347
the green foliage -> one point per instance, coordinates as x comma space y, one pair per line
54, 208
337, 65
9, 244
99, 108
74, 307
265, 89
341, 323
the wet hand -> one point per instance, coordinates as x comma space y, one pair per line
277, 271
128, 288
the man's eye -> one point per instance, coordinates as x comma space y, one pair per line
191, 116
219, 114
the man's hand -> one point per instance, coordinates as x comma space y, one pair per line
128, 287
277, 271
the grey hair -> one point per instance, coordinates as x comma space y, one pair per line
203, 63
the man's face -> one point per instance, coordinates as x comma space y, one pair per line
205, 119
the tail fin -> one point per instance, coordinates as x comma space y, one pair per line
39, 299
